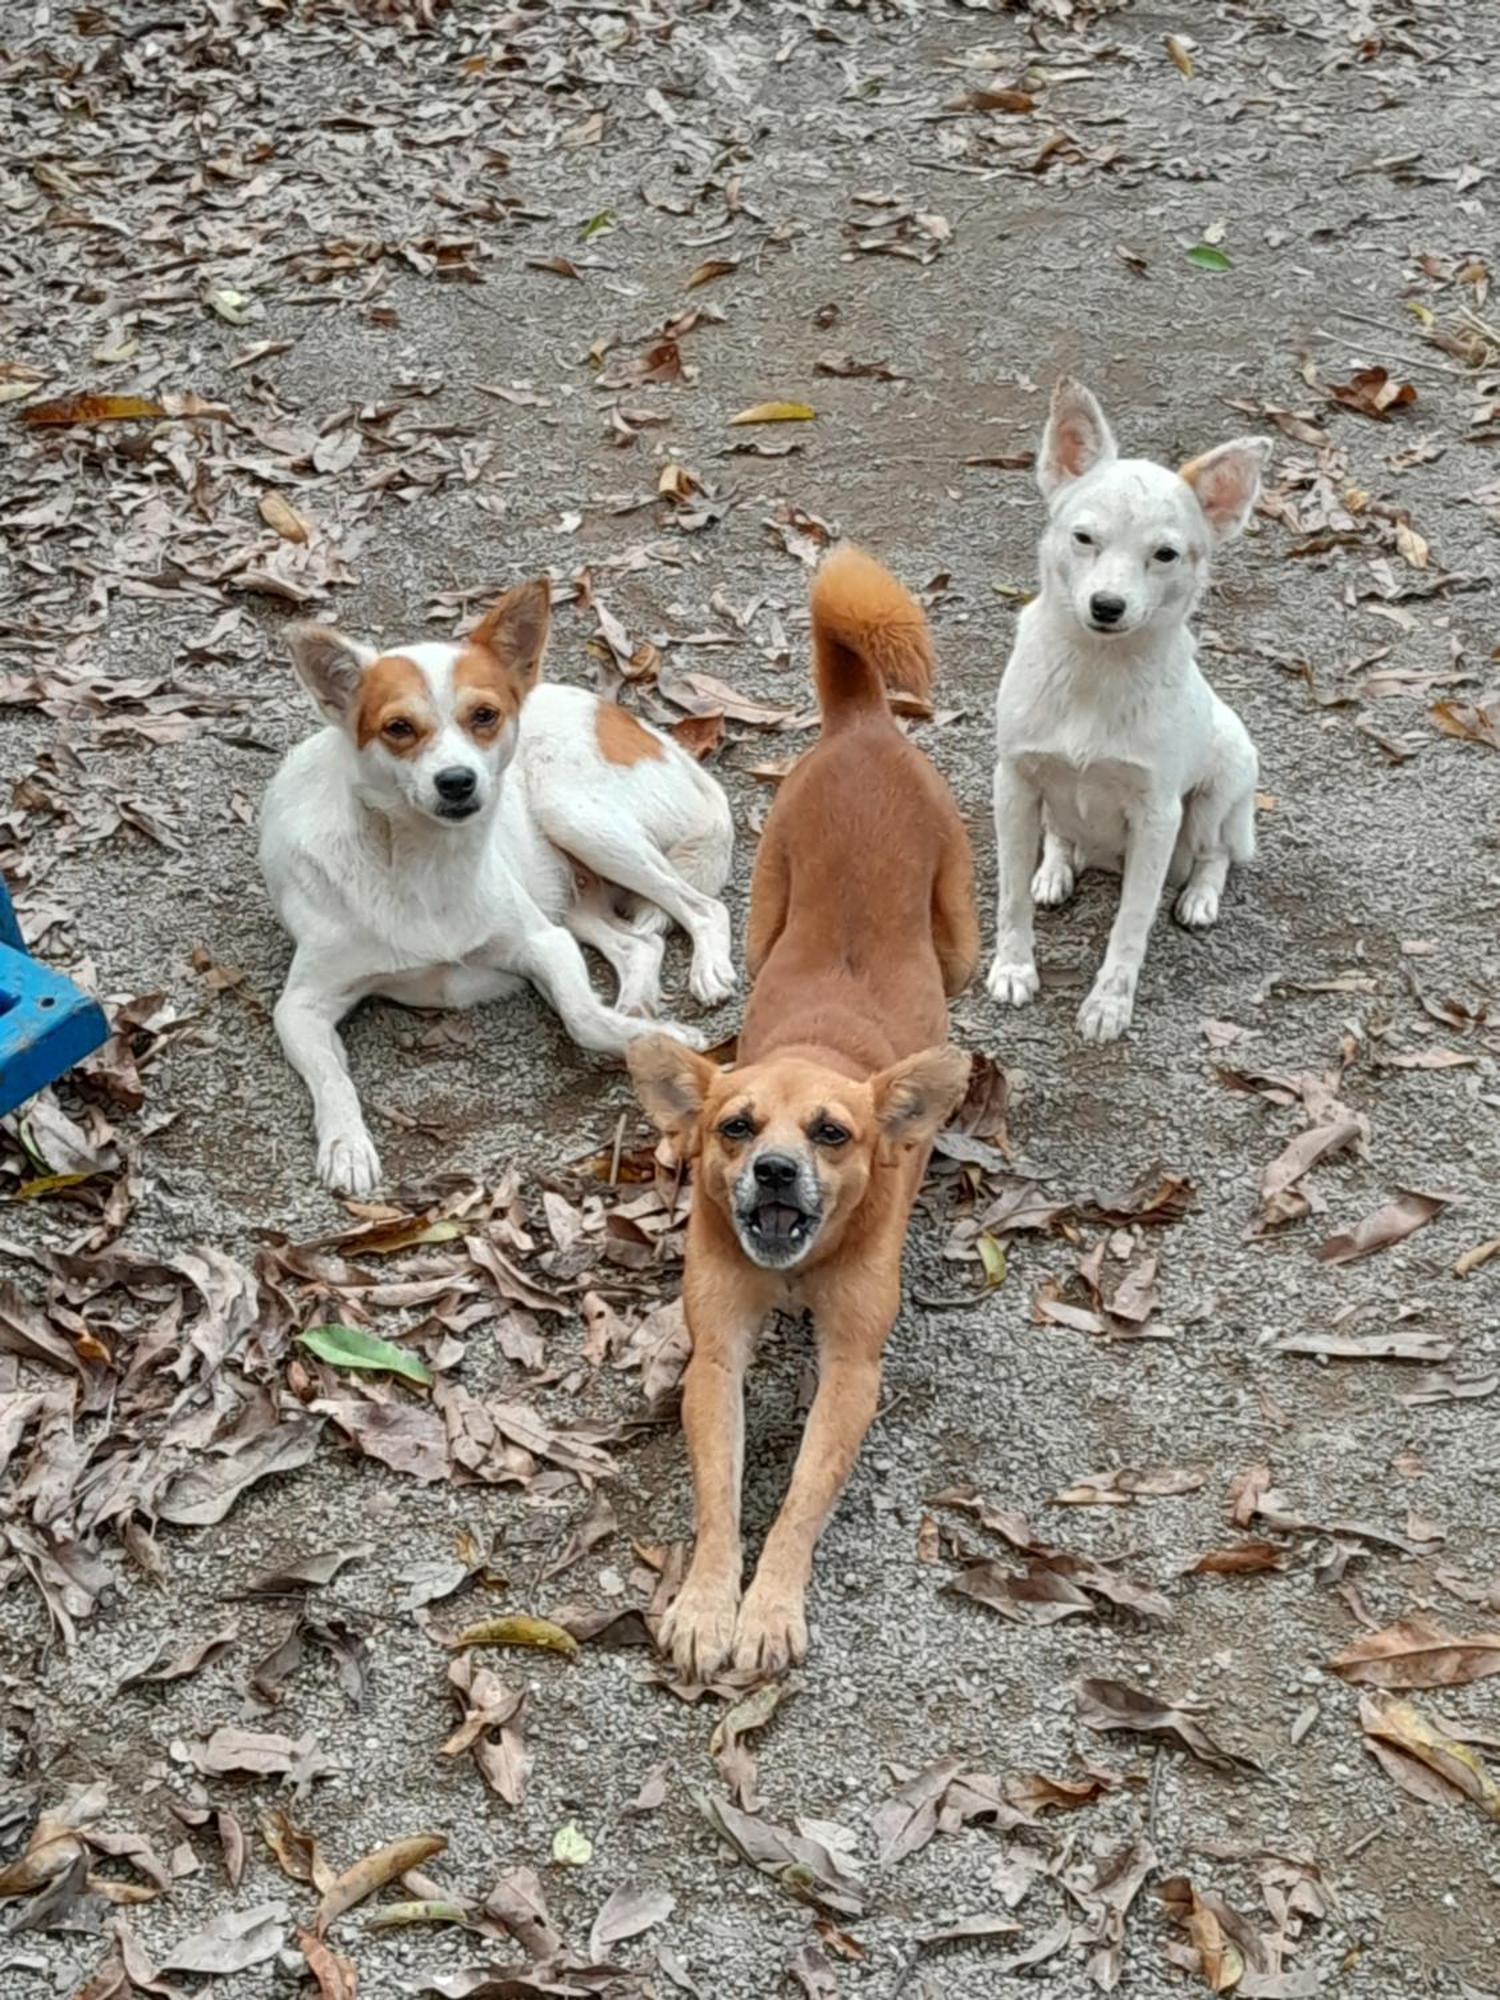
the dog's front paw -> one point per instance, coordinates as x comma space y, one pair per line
698, 1628
771, 1634
1013, 983
1198, 906
1105, 1015
348, 1163
712, 976
1053, 882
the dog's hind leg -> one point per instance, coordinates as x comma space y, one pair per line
627, 858
770, 888
955, 925
1056, 877
629, 946
1215, 832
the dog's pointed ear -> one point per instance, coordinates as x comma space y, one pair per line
1077, 438
330, 667
671, 1080
515, 630
1227, 482
915, 1097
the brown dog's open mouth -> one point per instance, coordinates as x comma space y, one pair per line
777, 1230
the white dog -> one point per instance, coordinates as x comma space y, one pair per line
1112, 746
403, 866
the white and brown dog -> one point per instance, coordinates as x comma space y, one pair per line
1114, 752
457, 830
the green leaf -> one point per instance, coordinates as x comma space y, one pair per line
350, 1347
570, 1846
605, 219
993, 1259
1207, 258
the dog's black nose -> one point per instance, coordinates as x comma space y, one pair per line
775, 1172
456, 785
1104, 610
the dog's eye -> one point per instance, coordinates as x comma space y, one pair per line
826, 1133
398, 729
484, 718
737, 1128
1082, 539
1166, 555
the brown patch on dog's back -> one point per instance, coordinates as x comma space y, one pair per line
394, 689
487, 693
623, 740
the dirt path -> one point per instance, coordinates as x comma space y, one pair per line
337, 233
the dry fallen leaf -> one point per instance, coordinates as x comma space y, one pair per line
1112, 1704
280, 514
335, 1975
1178, 50
93, 410
1397, 1219
1220, 1960
373, 1872
1424, 1758
1472, 721
1373, 392
1240, 1559
775, 413
1415, 1654
626, 1914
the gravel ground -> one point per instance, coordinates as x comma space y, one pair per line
1342, 156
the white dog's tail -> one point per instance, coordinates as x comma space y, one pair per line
869, 635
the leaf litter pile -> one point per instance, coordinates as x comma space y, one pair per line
332, 1555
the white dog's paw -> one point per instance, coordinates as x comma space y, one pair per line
1198, 906
712, 977
1105, 1015
1013, 984
348, 1163
692, 1038
1053, 882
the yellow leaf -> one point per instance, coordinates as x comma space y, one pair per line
1424, 314
776, 413
993, 1259
92, 410
283, 517
517, 1630
1177, 49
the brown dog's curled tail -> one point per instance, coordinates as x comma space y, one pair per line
869, 634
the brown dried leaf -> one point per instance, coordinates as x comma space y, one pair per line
1372, 392
373, 1872
1240, 1559
1410, 1211
335, 1975
1415, 1654
1112, 1704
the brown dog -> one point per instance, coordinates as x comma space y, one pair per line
810, 1151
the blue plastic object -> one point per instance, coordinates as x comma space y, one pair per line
46, 1023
